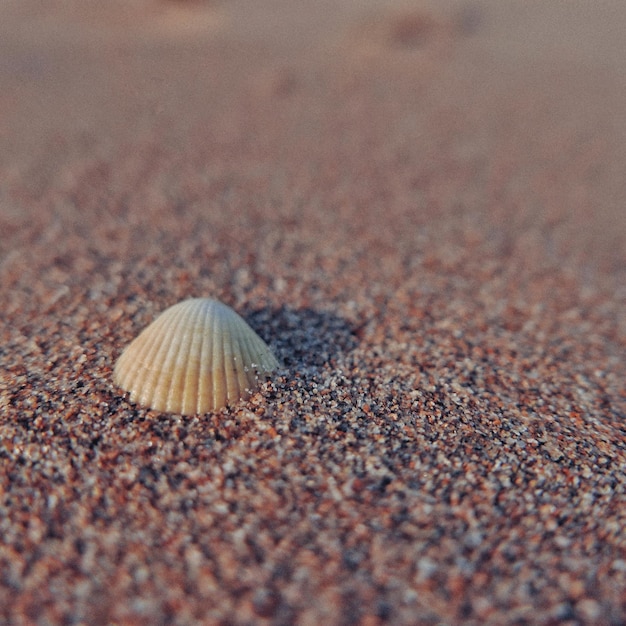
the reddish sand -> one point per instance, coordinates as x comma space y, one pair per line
420, 207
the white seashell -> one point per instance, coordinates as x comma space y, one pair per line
197, 356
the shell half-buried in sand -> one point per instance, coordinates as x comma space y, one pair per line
197, 356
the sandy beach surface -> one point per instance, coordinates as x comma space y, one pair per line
420, 207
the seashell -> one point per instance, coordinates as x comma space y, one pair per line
197, 356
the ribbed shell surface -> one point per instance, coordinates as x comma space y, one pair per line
197, 356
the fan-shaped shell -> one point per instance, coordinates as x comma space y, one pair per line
197, 356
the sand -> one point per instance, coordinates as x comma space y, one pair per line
420, 207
